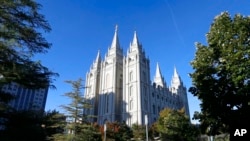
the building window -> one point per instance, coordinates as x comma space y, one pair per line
130, 90
153, 94
90, 89
154, 109
144, 76
131, 105
120, 86
131, 76
108, 81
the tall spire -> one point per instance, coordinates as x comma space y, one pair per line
98, 57
175, 72
135, 46
158, 72
115, 42
97, 60
176, 80
135, 40
158, 80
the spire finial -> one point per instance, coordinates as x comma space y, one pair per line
175, 72
158, 72
115, 42
135, 39
116, 28
158, 77
98, 57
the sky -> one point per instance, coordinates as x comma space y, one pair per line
167, 30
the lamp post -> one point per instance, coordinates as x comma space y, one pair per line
146, 123
105, 128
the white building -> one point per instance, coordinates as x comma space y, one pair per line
119, 87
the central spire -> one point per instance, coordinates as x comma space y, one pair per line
158, 72
135, 40
176, 80
134, 45
176, 75
98, 57
158, 80
115, 42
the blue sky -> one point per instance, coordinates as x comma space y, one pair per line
167, 30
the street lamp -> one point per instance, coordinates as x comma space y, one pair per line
105, 128
146, 123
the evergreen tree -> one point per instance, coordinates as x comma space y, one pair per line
23, 125
124, 133
32, 125
221, 77
77, 122
21, 28
21, 25
53, 124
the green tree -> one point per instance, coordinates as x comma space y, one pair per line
21, 28
124, 133
77, 125
117, 131
139, 132
221, 77
90, 132
32, 125
175, 125
153, 132
53, 124
23, 125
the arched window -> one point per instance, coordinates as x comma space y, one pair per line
131, 76
144, 76
90, 88
130, 90
154, 112
108, 81
131, 105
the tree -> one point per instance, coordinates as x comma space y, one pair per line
221, 77
139, 132
77, 125
21, 28
53, 124
32, 125
117, 131
90, 133
175, 125
23, 125
153, 132
21, 25
124, 133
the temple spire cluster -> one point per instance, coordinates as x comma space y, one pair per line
120, 89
